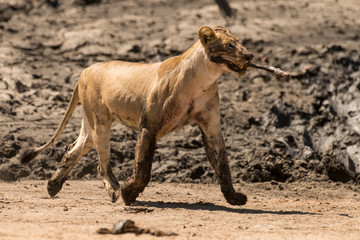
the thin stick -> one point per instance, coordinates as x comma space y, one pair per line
276, 71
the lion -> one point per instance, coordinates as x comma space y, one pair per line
153, 99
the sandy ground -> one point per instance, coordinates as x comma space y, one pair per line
193, 211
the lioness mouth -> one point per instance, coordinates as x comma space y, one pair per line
231, 65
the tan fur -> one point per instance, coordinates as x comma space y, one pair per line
153, 99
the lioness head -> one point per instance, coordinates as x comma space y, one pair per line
222, 47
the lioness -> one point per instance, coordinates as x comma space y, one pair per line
153, 99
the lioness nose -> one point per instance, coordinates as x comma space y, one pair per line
248, 56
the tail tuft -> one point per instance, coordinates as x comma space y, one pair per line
27, 155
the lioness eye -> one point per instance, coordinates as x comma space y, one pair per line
230, 45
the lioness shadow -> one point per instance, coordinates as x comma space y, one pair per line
214, 207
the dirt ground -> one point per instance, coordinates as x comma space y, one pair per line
293, 146
193, 211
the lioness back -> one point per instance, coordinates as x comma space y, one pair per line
118, 89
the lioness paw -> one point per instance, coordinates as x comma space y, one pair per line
237, 199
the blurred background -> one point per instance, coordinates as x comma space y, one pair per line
303, 129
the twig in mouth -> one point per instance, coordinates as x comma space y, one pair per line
276, 71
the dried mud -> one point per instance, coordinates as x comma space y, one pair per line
305, 128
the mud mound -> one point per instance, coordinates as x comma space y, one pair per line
306, 128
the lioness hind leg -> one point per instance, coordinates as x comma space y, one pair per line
79, 148
144, 153
101, 136
209, 124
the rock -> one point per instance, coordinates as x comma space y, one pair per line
20, 87
197, 173
8, 8
26, 45
12, 171
278, 115
73, 40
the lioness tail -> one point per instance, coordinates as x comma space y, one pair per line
30, 153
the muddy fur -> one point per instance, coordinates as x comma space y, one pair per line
54, 187
27, 155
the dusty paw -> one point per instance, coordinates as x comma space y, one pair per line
114, 196
54, 187
128, 196
113, 189
237, 199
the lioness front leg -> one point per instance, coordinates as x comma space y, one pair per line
144, 153
209, 124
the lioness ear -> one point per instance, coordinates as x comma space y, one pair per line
222, 29
206, 35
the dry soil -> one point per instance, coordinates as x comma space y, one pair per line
192, 211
